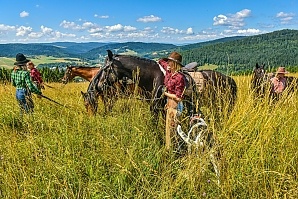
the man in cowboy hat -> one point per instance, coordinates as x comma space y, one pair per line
21, 79
278, 82
175, 84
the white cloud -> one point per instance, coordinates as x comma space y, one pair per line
129, 28
102, 16
46, 30
285, 17
24, 14
250, 31
189, 31
95, 30
87, 25
70, 25
233, 21
35, 35
220, 20
4, 28
150, 18
169, 30
23, 31
114, 28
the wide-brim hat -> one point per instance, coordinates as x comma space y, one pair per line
281, 70
21, 59
176, 57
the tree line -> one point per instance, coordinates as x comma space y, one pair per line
48, 74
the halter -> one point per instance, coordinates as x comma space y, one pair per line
68, 72
109, 73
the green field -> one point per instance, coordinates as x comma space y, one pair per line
61, 152
208, 67
6, 62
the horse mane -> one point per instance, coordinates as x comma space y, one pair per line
137, 58
83, 66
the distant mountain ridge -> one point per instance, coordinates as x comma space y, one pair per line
274, 48
91, 50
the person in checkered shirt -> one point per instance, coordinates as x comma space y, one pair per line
35, 75
175, 84
21, 79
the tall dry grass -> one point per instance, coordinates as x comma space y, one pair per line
61, 152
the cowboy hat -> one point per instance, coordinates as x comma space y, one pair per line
281, 70
176, 57
21, 59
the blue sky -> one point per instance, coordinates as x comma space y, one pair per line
163, 21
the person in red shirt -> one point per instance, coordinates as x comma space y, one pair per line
175, 85
278, 82
35, 75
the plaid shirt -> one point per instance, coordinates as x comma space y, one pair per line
175, 83
21, 80
35, 75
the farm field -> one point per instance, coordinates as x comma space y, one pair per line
61, 152
8, 62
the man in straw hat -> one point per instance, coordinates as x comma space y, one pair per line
279, 82
21, 79
175, 83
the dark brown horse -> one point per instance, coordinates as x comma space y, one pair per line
144, 72
85, 72
216, 91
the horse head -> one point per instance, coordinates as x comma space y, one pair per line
259, 71
67, 75
107, 77
90, 101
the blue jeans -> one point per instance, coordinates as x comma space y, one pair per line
179, 108
25, 101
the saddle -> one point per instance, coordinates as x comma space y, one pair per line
199, 79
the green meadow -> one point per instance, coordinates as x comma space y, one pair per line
61, 152
8, 62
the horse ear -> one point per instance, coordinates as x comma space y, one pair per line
110, 55
257, 65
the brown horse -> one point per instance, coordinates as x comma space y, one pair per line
85, 72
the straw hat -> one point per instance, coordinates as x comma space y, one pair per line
281, 70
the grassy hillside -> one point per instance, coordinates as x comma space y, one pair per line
6, 62
61, 152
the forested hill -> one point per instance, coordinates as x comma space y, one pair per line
275, 49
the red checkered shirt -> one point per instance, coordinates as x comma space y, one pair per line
36, 76
175, 83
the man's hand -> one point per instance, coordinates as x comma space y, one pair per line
39, 96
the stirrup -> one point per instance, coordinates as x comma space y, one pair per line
194, 118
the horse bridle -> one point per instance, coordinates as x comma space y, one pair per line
109, 71
67, 74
